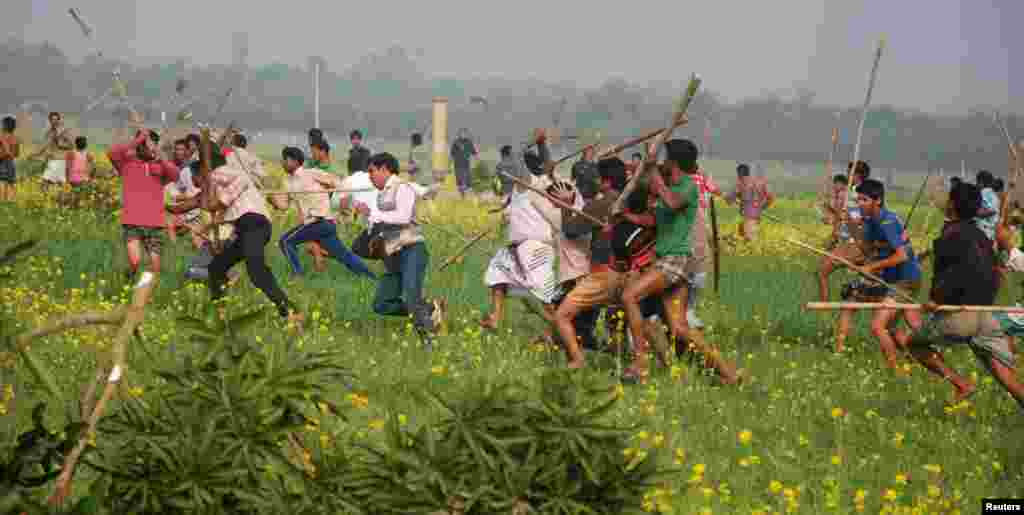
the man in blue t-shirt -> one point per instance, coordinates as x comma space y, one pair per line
894, 261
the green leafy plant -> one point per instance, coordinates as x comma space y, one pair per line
502, 448
33, 462
219, 434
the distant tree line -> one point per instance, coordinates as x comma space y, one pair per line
388, 95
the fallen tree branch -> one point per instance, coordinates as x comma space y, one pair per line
133, 316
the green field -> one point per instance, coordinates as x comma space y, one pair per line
811, 432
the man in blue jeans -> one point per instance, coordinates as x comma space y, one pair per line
400, 289
318, 223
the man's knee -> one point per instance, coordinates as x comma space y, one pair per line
567, 311
631, 297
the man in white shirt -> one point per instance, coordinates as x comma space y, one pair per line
400, 289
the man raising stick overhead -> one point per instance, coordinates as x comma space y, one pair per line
676, 212
143, 178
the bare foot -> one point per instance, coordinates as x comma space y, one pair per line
964, 392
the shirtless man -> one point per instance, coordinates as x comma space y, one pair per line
10, 149
59, 141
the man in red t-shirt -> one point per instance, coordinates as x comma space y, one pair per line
143, 177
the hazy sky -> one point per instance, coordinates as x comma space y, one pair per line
942, 56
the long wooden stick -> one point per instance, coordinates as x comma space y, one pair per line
832, 306
853, 267
552, 198
867, 104
310, 192
678, 118
638, 140
134, 315
466, 247
1016, 175
920, 192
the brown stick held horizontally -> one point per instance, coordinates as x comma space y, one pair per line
832, 306
853, 267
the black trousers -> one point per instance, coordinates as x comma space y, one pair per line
252, 233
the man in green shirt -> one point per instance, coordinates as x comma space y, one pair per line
320, 152
675, 214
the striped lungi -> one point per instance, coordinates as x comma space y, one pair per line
529, 265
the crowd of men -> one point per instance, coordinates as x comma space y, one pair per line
646, 262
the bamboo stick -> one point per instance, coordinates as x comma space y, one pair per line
553, 199
338, 190
467, 246
853, 267
640, 139
832, 306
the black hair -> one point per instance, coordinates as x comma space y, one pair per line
294, 154
533, 162
52, 114
743, 170
872, 189
240, 141
637, 155
506, 151
998, 185
154, 135
10, 123
840, 179
953, 181
315, 134
193, 139
217, 158
355, 134
322, 145
614, 170
637, 201
863, 169
985, 179
182, 141
684, 152
384, 160
966, 200
81, 143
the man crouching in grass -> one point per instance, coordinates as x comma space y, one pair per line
965, 274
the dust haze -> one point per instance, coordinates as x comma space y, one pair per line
778, 76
